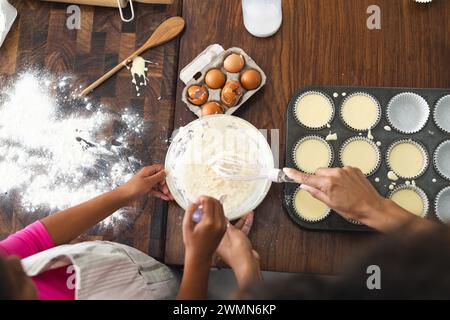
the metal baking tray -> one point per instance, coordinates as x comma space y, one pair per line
430, 137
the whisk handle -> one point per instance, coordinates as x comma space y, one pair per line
278, 176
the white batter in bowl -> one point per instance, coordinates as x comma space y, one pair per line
190, 175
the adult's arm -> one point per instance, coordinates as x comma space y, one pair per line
348, 192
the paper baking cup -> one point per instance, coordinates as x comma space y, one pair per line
441, 159
408, 112
375, 148
419, 191
355, 222
419, 146
441, 114
313, 137
299, 215
322, 95
442, 205
374, 100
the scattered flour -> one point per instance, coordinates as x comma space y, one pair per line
52, 153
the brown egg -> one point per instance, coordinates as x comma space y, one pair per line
231, 93
251, 79
197, 95
215, 79
234, 63
211, 108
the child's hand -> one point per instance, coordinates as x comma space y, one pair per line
202, 239
148, 181
236, 250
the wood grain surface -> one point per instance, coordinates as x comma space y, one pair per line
322, 42
39, 39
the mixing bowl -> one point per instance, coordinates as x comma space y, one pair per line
222, 126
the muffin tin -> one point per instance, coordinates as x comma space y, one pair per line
213, 57
430, 136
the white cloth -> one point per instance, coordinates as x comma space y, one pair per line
107, 270
7, 16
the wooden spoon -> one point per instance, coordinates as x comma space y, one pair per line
165, 32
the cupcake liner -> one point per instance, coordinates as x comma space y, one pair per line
408, 112
419, 146
419, 191
355, 222
441, 114
373, 144
441, 159
312, 137
300, 216
333, 109
359, 93
442, 205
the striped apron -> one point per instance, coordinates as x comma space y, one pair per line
106, 270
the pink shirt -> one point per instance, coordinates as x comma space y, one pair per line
52, 284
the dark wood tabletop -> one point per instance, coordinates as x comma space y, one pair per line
40, 39
322, 42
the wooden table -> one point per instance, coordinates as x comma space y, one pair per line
40, 39
322, 42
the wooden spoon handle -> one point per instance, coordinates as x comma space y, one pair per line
103, 78
165, 32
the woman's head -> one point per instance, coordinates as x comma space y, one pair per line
14, 283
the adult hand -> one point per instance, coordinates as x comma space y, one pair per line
345, 190
201, 239
149, 180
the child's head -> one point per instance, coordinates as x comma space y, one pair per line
14, 283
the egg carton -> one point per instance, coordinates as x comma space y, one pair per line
212, 58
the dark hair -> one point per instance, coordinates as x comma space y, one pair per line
6, 286
412, 266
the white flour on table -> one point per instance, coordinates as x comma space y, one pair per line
52, 152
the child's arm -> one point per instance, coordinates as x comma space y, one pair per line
200, 240
67, 225
236, 250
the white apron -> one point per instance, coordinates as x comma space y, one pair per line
107, 270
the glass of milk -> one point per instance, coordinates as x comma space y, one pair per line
262, 18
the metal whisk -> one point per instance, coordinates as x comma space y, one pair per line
235, 168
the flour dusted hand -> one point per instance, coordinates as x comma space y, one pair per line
149, 180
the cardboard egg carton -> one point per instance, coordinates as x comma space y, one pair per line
212, 58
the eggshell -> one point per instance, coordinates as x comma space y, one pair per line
197, 95
231, 93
